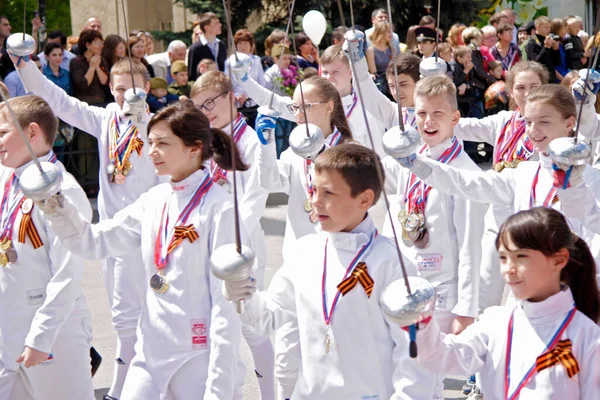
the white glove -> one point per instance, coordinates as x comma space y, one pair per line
567, 176
134, 106
593, 85
241, 74
353, 45
416, 165
62, 215
238, 290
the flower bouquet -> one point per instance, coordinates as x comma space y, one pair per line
288, 79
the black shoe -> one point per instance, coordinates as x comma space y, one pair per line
96, 360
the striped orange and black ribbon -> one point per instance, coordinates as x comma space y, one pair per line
560, 354
359, 274
138, 145
27, 227
182, 232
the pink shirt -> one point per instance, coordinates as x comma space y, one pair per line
487, 57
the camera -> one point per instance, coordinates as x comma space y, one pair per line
554, 37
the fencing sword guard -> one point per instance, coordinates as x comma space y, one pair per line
406, 309
37, 186
566, 150
307, 146
354, 36
398, 143
240, 63
229, 265
268, 112
433, 66
21, 45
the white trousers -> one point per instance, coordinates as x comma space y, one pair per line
188, 383
125, 280
67, 376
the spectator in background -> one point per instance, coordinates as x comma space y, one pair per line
498, 19
489, 37
245, 44
496, 96
196, 32
308, 54
428, 21
511, 19
149, 44
60, 39
505, 50
6, 65
522, 35
379, 55
589, 48
281, 58
469, 95
182, 86
13, 81
585, 37
72, 43
208, 46
411, 39
159, 97
445, 51
161, 62
569, 79
425, 41
337, 35
94, 24
558, 29
137, 49
576, 58
206, 65
380, 15
53, 69
455, 35
276, 37
89, 72
543, 48
530, 31
114, 50
471, 36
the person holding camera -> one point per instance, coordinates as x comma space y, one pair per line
576, 55
544, 47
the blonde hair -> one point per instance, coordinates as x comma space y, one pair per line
437, 86
455, 34
212, 80
334, 53
123, 67
31, 108
379, 35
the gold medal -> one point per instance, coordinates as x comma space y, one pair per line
6, 244
119, 178
307, 205
3, 259
513, 163
110, 169
221, 181
498, 167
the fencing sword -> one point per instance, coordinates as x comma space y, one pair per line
569, 150
405, 300
234, 261
433, 66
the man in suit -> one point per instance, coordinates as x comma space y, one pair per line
208, 46
161, 62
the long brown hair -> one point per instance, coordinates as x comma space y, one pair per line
546, 230
525, 66
557, 96
191, 125
328, 92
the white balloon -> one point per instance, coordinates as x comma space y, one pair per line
314, 25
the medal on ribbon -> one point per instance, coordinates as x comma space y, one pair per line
175, 236
120, 149
513, 144
412, 218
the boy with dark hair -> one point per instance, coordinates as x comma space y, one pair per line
46, 330
126, 172
334, 320
208, 46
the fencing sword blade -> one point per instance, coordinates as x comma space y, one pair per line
128, 47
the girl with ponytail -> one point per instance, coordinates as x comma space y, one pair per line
187, 331
547, 345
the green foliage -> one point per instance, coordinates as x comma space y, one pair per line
58, 15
